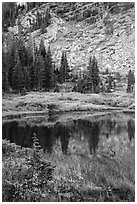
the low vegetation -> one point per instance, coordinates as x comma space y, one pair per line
30, 175
50, 103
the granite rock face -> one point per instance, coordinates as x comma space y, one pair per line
113, 43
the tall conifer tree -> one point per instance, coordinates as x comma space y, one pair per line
64, 68
94, 74
5, 83
39, 73
42, 50
11, 62
131, 81
49, 72
18, 79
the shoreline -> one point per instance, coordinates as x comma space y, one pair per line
48, 103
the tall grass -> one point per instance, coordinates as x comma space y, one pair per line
30, 175
26, 174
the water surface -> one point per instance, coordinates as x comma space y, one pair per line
85, 135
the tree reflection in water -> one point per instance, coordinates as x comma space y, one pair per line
64, 134
91, 130
94, 137
131, 129
81, 130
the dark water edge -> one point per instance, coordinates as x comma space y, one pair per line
88, 130
77, 146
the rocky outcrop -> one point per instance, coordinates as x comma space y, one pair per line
113, 43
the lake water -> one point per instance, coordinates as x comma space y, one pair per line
80, 134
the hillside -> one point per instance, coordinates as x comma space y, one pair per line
68, 84
113, 44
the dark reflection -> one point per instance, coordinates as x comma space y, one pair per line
94, 137
64, 134
22, 135
45, 136
80, 130
52, 118
118, 130
91, 131
107, 135
131, 129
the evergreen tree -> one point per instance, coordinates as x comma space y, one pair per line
8, 14
42, 50
47, 17
64, 68
32, 75
109, 81
131, 81
49, 72
33, 65
5, 84
18, 79
23, 55
31, 49
39, 73
27, 79
94, 74
39, 20
79, 85
56, 73
11, 62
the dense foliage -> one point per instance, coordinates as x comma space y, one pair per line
30, 179
27, 70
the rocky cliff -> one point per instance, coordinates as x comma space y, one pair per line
72, 29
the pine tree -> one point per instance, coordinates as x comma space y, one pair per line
33, 65
31, 48
94, 74
56, 73
131, 81
42, 50
109, 80
11, 62
32, 75
39, 20
8, 14
23, 55
64, 68
5, 83
49, 72
27, 79
79, 85
39, 72
47, 17
18, 79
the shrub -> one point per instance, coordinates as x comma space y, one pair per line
27, 180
